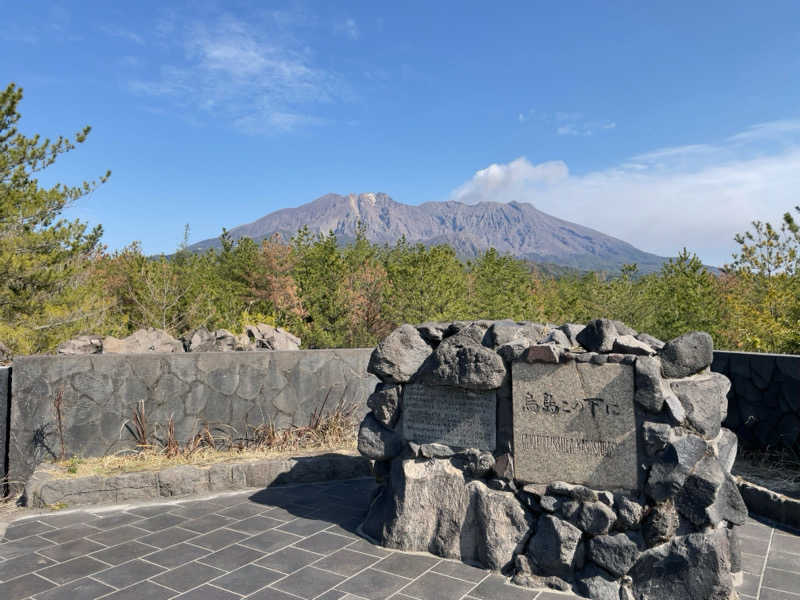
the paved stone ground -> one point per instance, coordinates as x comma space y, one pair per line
283, 543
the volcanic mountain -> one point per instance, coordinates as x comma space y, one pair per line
515, 228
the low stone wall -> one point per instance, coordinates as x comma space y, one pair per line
764, 400
232, 391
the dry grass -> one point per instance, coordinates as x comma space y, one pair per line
334, 431
777, 469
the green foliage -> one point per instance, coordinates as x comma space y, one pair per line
500, 287
426, 283
44, 259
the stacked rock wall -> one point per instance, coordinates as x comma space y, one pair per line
764, 400
672, 536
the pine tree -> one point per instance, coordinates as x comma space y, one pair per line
43, 258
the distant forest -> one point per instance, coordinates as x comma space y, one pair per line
57, 280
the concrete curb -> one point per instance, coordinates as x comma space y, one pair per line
770, 505
44, 490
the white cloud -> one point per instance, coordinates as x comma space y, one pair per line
251, 73
349, 28
698, 196
567, 123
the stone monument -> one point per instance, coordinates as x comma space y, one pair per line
584, 458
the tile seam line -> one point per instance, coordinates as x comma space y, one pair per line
764, 564
766, 587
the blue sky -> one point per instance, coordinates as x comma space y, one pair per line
667, 124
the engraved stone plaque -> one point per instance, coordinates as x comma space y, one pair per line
447, 415
575, 422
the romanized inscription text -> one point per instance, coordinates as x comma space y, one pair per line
452, 416
566, 445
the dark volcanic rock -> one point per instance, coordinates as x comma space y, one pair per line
375, 441
385, 402
615, 553
705, 400
399, 355
597, 584
694, 567
460, 361
687, 354
598, 335
556, 547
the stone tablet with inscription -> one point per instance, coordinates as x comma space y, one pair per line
453, 416
575, 422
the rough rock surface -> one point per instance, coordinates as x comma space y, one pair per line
694, 566
267, 337
142, 341
627, 344
651, 390
597, 583
687, 354
83, 344
704, 398
462, 362
547, 353
385, 403
399, 355
615, 553
378, 442
598, 335
430, 506
556, 548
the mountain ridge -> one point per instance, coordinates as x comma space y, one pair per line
516, 228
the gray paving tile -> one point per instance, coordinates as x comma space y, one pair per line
557, 596
148, 511
308, 582
346, 562
271, 594
304, 527
79, 547
219, 539
460, 570
208, 592
26, 545
129, 573
177, 555
81, 589
146, 590
206, 523
255, 525
20, 529
281, 514
785, 543
373, 585
247, 579
72, 569
159, 522
407, 565
784, 561
289, 559
244, 510
67, 519
66, 534
749, 584
116, 555
22, 565
324, 543
168, 537
231, 558
784, 581
754, 529
336, 595
433, 586
187, 576
24, 586
369, 548
496, 588
771, 594
270, 541
752, 563
114, 520
112, 537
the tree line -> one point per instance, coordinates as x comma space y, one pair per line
57, 280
